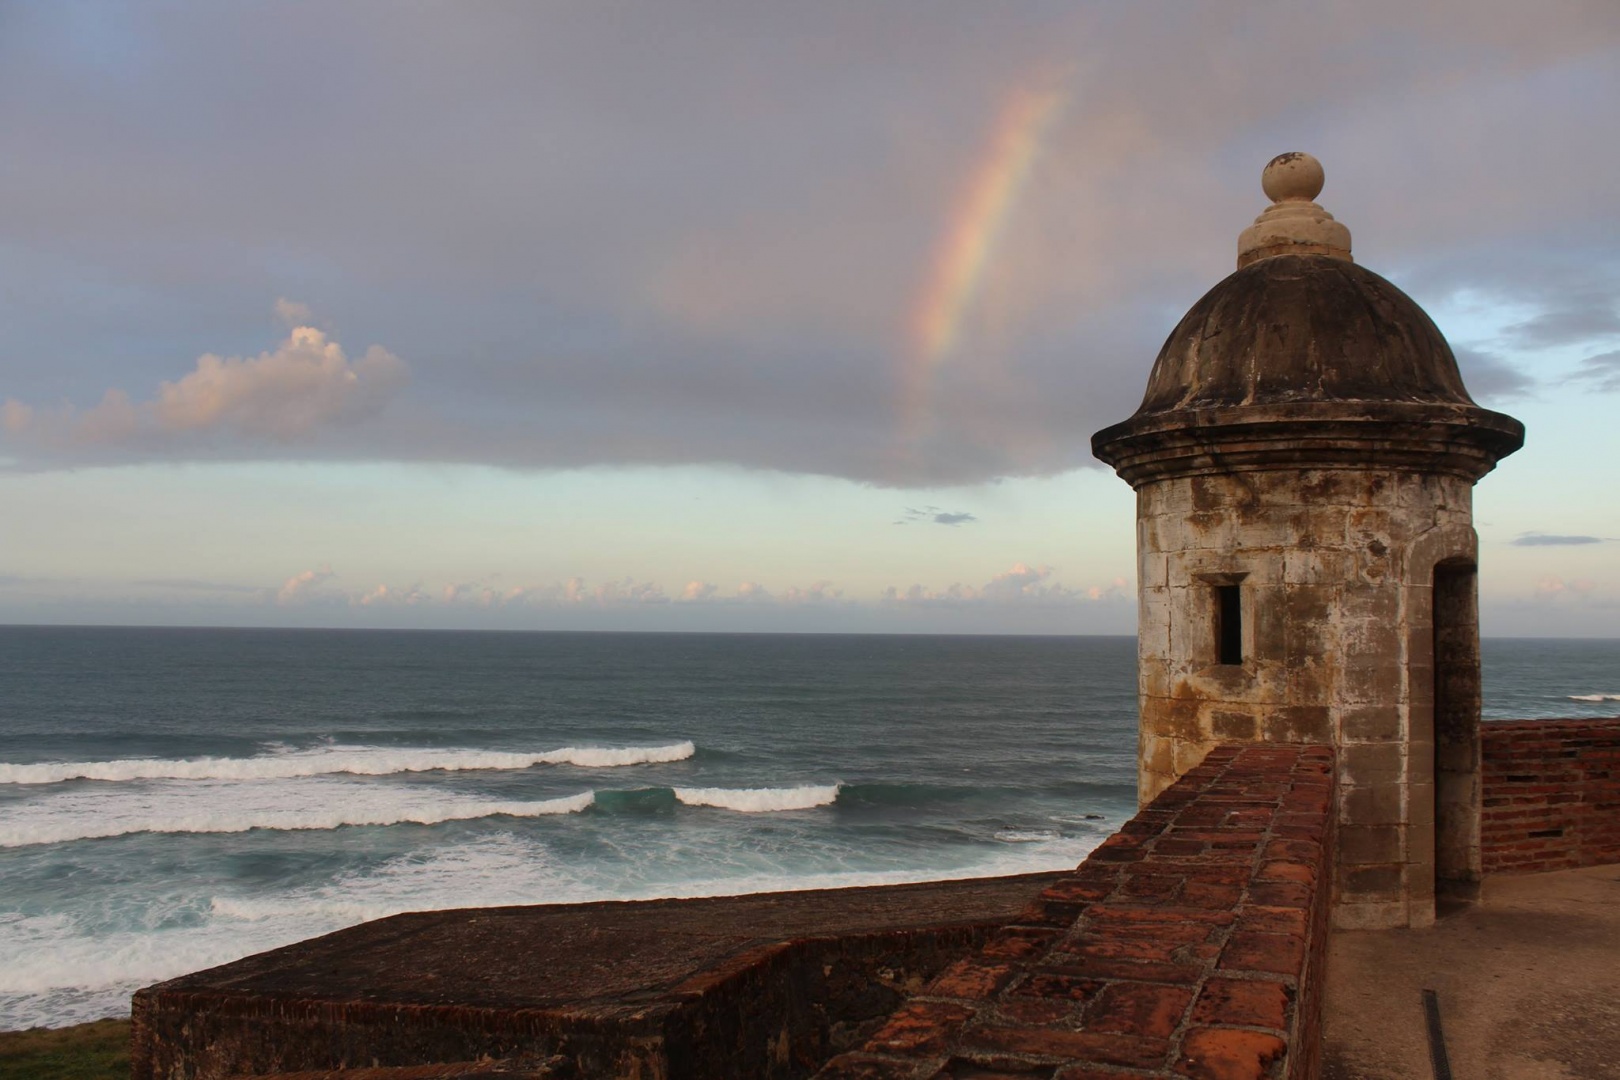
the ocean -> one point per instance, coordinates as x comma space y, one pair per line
172, 799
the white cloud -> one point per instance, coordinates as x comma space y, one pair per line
572, 592
1551, 586
305, 384
819, 592
302, 584
1021, 584
697, 591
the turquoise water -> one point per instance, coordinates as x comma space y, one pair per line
174, 799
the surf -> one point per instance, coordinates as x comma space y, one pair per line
331, 760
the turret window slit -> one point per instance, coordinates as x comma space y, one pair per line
1228, 624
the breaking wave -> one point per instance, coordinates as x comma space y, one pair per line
329, 760
1594, 697
225, 808
759, 800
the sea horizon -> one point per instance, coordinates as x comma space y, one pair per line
664, 632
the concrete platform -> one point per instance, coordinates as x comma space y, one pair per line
1528, 984
763, 985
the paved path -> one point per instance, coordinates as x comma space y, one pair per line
1528, 981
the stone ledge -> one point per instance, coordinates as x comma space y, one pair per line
761, 985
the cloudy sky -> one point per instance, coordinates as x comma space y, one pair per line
740, 315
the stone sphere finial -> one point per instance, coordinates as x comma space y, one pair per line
1292, 176
1293, 224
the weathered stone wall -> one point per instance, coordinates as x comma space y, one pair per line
1335, 569
1551, 795
1191, 944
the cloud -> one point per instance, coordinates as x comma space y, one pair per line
1022, 584
653, 246
294, 314
302, 584
1551, 586
1490, 377
697, 591
1550, 540
817, 592
1574, 316
934, 515
1602, 369
569, 593
304, 385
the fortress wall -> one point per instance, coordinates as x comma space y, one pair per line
1551, 798
767, 985
1191, 944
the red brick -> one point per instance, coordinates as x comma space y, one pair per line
1225, 1054
1087, 1046
1138, 1009
1293, 850
1018, 943
1073, 889
865, 1067
1283, 954
1279, 894
1025, 1011
1272, 920
1043, 912
1201, 894
1156, 886
1130, 914
922, 1026
1056, 985
1281, 870
1115, 947
1096, 967
1091, 1072
971, 978
1151, 931
1244, 1003
989, 1067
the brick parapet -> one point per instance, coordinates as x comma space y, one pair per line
1190, 944
1550, 795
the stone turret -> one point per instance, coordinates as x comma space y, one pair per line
1304, 461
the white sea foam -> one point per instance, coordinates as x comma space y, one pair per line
1027, 836
759, 800
1594, 697
218, 806
357, 760
53, 971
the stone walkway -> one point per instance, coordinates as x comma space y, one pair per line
1528, 983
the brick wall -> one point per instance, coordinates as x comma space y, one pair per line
1551, 795
1190, 944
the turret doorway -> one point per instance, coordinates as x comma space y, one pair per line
1457, 698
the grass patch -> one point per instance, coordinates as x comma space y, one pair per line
95, 1051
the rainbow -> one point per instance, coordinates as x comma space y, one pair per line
981, 211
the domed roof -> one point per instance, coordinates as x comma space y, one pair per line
1303, 328
1303, 359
